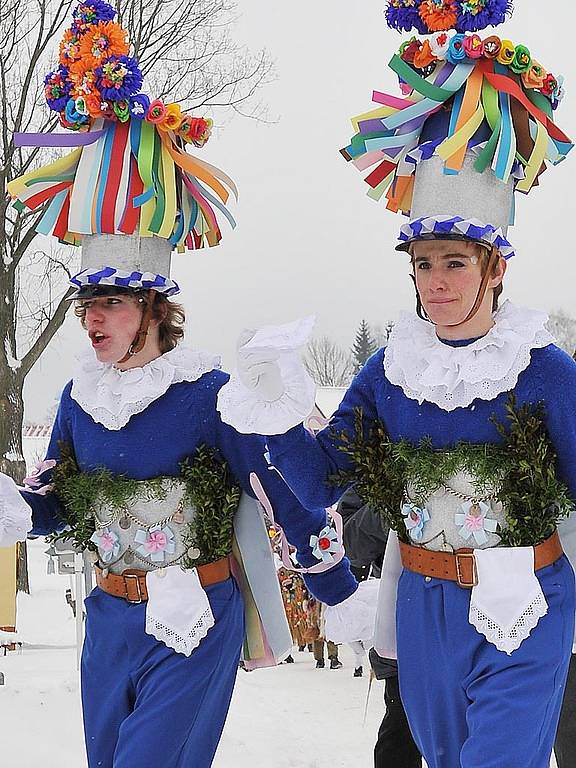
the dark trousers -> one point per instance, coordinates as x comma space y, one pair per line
565, 744
395, 747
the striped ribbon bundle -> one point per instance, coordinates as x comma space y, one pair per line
124, 177
520, 126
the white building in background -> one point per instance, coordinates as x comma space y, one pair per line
35, 439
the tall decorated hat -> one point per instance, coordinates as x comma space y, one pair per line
129, 193
472, 125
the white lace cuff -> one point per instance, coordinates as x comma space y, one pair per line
178, 612
353, 618
15, 513
508, 601
242, 409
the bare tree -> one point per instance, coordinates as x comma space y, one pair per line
185, 49
327, 363
563, 328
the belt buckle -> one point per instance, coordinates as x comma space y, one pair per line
461, 582
127, 576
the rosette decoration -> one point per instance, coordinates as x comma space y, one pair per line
497, 101
130, 171
426, 16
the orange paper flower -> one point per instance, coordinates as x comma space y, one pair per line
103, 40
439, 15
83, 79
69, 48
535, 76
424, 56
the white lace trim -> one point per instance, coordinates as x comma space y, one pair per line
243, 409
112, 396
178, 612
453, 377
508, 640
181, 642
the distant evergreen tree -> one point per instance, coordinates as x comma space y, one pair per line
364, 346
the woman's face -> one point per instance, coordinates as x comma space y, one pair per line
448, 276
112, 322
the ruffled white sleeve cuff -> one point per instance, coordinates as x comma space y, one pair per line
243, 409
15, 513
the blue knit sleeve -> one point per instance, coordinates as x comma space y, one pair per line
306, 462
557, 375
46, 506
245, 454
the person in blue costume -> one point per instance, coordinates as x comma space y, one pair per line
451, 428
140, 469
162, 642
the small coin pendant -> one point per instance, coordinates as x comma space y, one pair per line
475, 510
178, 517
124, 523
128, 558
193, 553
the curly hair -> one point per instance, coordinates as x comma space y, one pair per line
171, 317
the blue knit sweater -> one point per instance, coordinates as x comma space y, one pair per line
306, 462
155, 441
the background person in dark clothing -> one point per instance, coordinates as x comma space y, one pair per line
365, 538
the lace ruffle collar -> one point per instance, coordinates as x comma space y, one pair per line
452, 377
112, 397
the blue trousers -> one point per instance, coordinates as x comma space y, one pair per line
470, 705
146, 705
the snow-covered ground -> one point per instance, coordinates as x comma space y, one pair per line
293, 716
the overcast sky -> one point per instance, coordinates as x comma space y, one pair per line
308, 239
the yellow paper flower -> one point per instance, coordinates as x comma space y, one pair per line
172, 118
507, 52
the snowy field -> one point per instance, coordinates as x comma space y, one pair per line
293, 716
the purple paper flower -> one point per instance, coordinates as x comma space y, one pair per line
118, 78
403, 15
139, 105
479, 14
57, 88
91, 12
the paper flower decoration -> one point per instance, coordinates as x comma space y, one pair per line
438, 14
473, 522
415, 518
108, 544
118, 78
155, 543
101, 41
325, 545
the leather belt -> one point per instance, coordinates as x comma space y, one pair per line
460, 566
131, 584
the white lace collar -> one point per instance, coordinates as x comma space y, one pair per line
452, 377
112, 397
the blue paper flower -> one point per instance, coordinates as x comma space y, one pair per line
415, 518
325, 545
456, 53
57, 88
139, 105
91, 12
155, 543
72, 115
479, 14
403, 15
118, 78
108, 544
